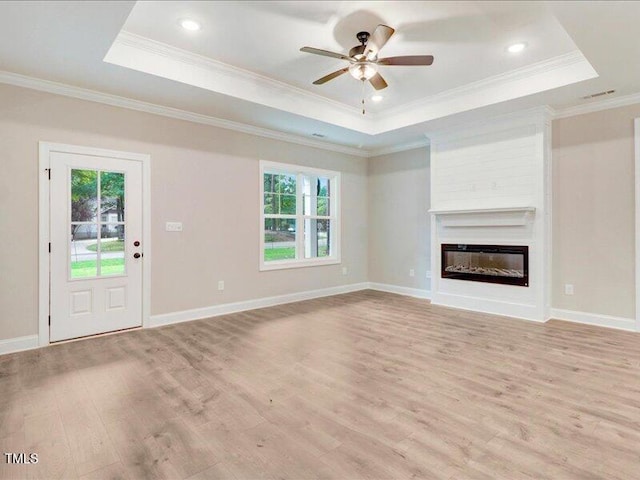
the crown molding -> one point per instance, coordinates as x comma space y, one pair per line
376, 152
597, 106
552, 73
48, 86
156, 58
190, 58
501, 80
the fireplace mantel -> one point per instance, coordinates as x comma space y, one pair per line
481, 210
485, 217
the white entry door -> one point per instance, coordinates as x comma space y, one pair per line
96, 245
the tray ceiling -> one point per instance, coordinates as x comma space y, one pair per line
250, 50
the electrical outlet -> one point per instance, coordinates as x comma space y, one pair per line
173, 226
568, 289
412, 272
345, 271
221, 285
428, 273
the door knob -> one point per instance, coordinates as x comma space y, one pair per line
136, 255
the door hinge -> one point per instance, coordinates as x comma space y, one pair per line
49, 247
48, 173
49, 320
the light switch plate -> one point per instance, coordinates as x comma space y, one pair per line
173, 226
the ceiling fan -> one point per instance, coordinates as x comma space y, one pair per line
364, 58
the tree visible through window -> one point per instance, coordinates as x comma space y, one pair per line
299, 225
97, 223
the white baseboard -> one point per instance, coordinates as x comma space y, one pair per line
621, 323
494, 307
18, 344
226, 308
410, 292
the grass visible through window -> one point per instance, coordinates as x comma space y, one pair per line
87, 268
286, 253
279, 253
108, 246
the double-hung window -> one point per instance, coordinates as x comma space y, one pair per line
299, 216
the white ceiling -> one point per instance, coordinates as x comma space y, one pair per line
244, 65
468, 40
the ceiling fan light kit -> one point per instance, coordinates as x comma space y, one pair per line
363, 70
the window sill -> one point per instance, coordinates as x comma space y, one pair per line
265, 267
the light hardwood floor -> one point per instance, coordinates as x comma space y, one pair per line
365, 385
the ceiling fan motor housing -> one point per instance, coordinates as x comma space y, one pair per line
362, 37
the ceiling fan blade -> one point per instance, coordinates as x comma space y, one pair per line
331, 76
377, 40
407, 60
325, 53
378, 82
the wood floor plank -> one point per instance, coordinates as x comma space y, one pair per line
366, 385
115, 471
89, 444
45, 435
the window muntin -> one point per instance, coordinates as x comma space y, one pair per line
299, 222
97, 221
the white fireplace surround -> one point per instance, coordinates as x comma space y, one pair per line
490, 184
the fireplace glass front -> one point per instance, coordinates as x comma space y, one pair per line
506, 264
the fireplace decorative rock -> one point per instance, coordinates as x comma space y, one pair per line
505, 264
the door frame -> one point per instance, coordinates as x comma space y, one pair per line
44, 235
636, 149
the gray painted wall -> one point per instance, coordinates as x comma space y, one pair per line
399, 224
205, 177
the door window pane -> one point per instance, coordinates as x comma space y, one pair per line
84, 250
112, 196
112, 250
279, 239
84, 195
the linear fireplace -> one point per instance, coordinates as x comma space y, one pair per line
506, 264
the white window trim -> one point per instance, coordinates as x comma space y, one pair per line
334, 206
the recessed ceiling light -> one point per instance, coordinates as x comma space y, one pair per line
377, 98
516, 47
190, 25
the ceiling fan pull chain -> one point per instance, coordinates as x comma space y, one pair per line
363, 96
